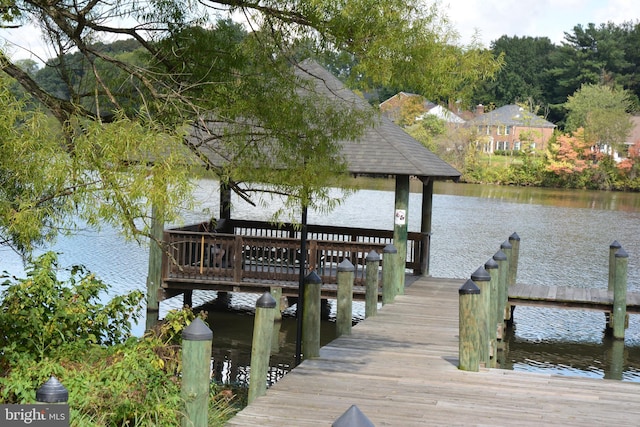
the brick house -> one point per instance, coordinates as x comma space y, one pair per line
509, 128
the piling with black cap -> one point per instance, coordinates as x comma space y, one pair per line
620, 293
389, 253
344, 315
353, 417
613, 248
491, 266
311, 315
503, 287
52, 392
482, 279
371, 284
261, 345
469, 297
196, 362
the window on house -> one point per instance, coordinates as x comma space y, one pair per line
488, 130
516, 146
507, 130
499, 130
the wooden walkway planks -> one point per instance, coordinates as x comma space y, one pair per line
400, 369
569, 297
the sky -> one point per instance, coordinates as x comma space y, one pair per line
492, 18
539, 18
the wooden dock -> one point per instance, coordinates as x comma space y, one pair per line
400, 369
569, 297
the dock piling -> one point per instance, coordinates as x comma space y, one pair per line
372, 282
311, 316
261, 345
346, 276
492, 267
388, 273
613, 248
620, 293
196, 362
469, 296
503, 292
482, 279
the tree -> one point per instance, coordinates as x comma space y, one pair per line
200, 88
523, 74
603, 113
594, 55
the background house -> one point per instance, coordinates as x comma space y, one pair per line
511, 128
404, 103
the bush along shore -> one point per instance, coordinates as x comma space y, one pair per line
60, 328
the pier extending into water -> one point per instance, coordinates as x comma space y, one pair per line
400, 368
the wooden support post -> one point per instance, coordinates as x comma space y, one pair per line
501, 258
620, 294
507, 248
261, 346
344, 315
400, 230
514, 239
482, 279
613, 248
469, 358
276, 293
311, 316
388, 276
196, 373
371, 292
154, 274
492, 267
425, 226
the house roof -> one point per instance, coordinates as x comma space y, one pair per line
385, 148
511, 115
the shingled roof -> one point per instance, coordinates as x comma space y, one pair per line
385, 148
511, 115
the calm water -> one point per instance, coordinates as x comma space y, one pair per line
565, 238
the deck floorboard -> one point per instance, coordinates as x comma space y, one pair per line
400, 368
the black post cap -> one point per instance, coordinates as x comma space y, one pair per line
480, 275
352, 417
197, 331
469, 288
345, 265
312, 278
52, 392
266, 300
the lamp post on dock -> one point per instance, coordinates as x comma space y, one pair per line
300, 303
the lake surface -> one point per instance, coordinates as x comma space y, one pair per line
565, 238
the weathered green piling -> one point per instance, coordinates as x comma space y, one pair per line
482, 279
154, 274
507, 248
344, 315
469, 296
261, 345
501, 258
620, 293
276, 292
613, 248
372, 283
388, 273
311, 316
492, 267
196, 362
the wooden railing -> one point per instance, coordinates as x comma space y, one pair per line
240, 251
